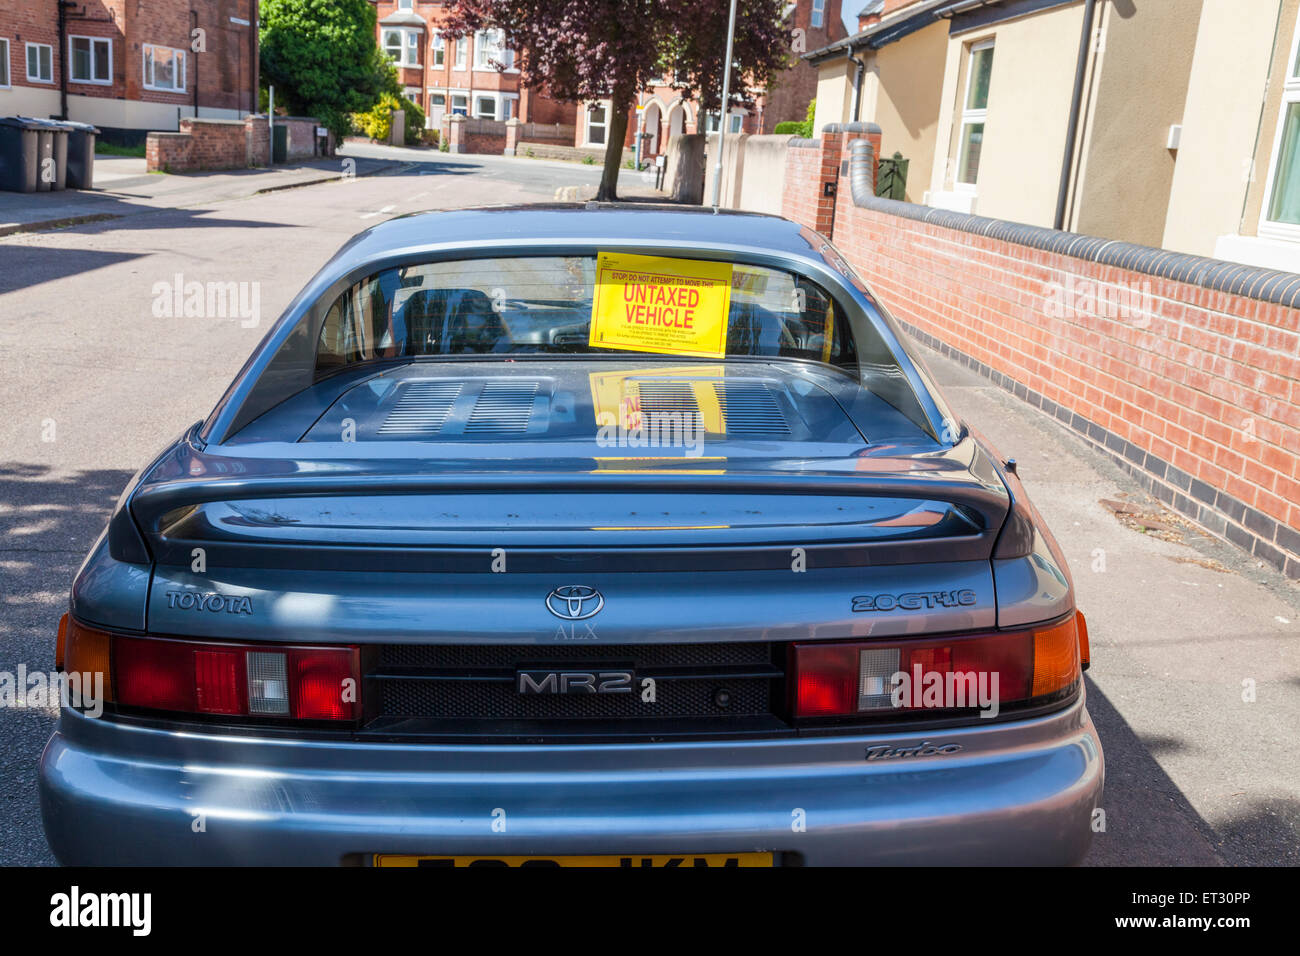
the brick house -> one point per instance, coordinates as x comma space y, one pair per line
456, 76
662, 113
129, 66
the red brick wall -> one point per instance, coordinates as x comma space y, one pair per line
209, 144
226, 72
807, 169
1197, 391
811, 166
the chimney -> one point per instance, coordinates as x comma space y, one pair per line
867, 20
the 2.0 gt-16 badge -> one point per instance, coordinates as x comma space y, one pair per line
210, 601
914, 600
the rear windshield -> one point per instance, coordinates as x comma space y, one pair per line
609, 303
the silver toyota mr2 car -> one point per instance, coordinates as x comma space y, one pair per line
595, 535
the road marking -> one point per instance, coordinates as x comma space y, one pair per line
370, 215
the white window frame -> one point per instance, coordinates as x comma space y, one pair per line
587, 124
410, 46
5, 78
452, 96
480, 98
27, 52
490, 44
407, 5
438, 48
1290, 94
460, 59
181, 73
818, 15
72, 60
970, 117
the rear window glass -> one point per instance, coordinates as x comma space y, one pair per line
545, 305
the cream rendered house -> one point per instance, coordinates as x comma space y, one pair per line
1167, 123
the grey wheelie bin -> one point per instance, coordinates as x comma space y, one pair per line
81, 154
19, 140
52, 155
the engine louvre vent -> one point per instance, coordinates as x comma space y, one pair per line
668, 405
502, 408
422, 409
750, 408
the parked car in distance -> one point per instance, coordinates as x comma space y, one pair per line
597, 534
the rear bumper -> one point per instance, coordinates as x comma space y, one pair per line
1016, 793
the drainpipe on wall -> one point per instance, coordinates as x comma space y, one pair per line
63, 57
856, 108
1076, 101
194, 26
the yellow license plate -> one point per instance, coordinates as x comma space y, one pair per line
629, 861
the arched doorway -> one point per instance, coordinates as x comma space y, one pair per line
652, 118
676, 119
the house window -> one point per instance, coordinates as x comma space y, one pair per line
489, 48
597, 120
978, 71
402, 46
4, 63
439, 50
460, 104
164, 69
1281, 218
818, 12
508, 107
393, 45
403, 4
40, 63
91, 60
737, 122
462, 53
485, 107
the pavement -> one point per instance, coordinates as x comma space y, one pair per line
95, 383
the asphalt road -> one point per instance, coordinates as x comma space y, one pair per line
94, 383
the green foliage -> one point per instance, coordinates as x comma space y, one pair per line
377, 122
792, 128
414, 131
589, 160
322, 58
788, 128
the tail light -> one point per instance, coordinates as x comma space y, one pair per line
298, 682
998, 668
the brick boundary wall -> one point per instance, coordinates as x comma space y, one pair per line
813, 169
1189, 378
210, 144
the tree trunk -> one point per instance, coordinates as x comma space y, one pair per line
616, 130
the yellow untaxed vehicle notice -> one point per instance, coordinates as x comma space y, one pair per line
658, 304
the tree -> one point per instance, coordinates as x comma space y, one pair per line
583, 50
323, 59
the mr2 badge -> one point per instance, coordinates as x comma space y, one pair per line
914, 600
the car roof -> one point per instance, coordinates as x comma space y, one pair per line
613, 222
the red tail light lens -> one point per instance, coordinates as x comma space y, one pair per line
322, 683
945, 673
261, 680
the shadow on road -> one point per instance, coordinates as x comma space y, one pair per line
1148, 820
47, 523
